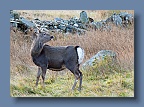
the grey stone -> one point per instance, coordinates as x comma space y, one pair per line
129, 18
58, 20
126, 18
108, 20
83, 17
14, 15
98, 25
123, 14
61, 26
100, 56
26, 22
117, 20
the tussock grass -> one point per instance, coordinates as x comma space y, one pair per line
101, 80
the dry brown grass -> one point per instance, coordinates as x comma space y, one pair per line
119, 40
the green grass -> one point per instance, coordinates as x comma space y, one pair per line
114, 82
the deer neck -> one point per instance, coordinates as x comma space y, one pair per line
36, 47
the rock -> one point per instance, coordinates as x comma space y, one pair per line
90, 19
58, 20
126, 18
14, 15
24, 25
26, 22
108, 20
123, 14
117, 20
74, 25
98, 25
83, 17
101, 55
13, 23
62, 27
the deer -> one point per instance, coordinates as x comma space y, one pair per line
56, 58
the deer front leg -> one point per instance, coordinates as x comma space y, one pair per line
38, 75
43, 74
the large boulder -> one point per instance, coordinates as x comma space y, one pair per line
101, 55
83, 17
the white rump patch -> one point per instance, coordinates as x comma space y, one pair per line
80, 52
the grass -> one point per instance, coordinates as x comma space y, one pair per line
101, 80
113, 83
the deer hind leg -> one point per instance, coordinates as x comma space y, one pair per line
74, 68
78, 75
76, 80
38, 75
